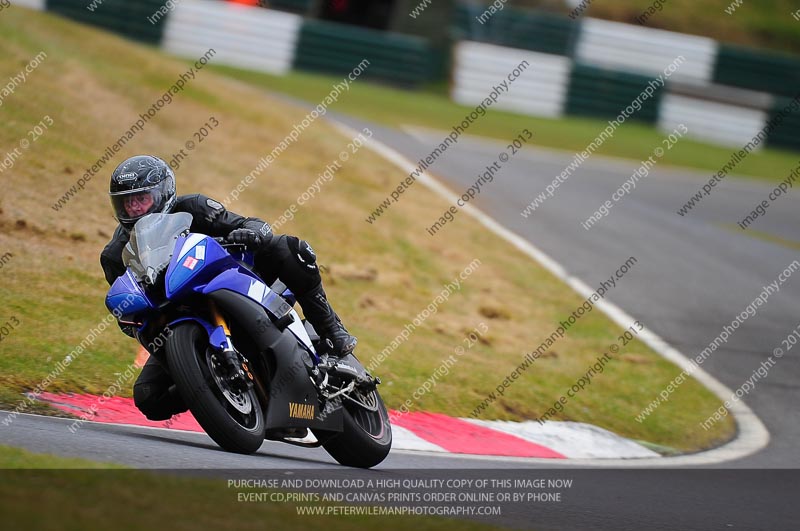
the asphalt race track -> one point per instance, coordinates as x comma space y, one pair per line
613, 499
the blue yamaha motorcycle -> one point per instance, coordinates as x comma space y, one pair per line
243, 361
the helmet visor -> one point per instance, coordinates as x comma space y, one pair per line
131, 205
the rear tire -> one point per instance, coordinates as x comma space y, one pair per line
234, 431
367, 435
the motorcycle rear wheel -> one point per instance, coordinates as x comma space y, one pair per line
367, 436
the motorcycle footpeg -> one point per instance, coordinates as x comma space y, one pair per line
340, 368
319, 377
327, 364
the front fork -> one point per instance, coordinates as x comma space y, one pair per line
235, 364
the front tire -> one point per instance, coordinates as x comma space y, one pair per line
187, 356
367, 435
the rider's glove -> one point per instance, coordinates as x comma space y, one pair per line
247, 237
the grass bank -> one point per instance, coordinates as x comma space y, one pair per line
633, 140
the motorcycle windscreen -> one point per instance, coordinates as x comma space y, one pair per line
152, 244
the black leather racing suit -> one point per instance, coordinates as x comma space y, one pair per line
285, 257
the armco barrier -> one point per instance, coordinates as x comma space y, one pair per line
247, 37
300, 7
604, 93
336, 48
540, 90
715, 113
787, 134
645, 51
38, 5
613, 60
517, 28
120, 16
718, 123
722, 94
758, 70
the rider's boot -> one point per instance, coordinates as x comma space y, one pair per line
325, 321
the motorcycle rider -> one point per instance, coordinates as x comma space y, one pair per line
145, 184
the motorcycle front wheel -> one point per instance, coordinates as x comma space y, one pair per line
233, 419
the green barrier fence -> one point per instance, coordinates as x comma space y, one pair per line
301, 7
120, 16
517, 28
787, 134
757, 70
604, 93
337, 48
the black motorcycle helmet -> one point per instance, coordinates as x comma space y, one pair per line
136, 182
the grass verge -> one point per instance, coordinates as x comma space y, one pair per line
791, 244
633, 140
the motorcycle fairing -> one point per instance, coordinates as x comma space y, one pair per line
289, 391
199, 260
127, 298
245, 283
216, 334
